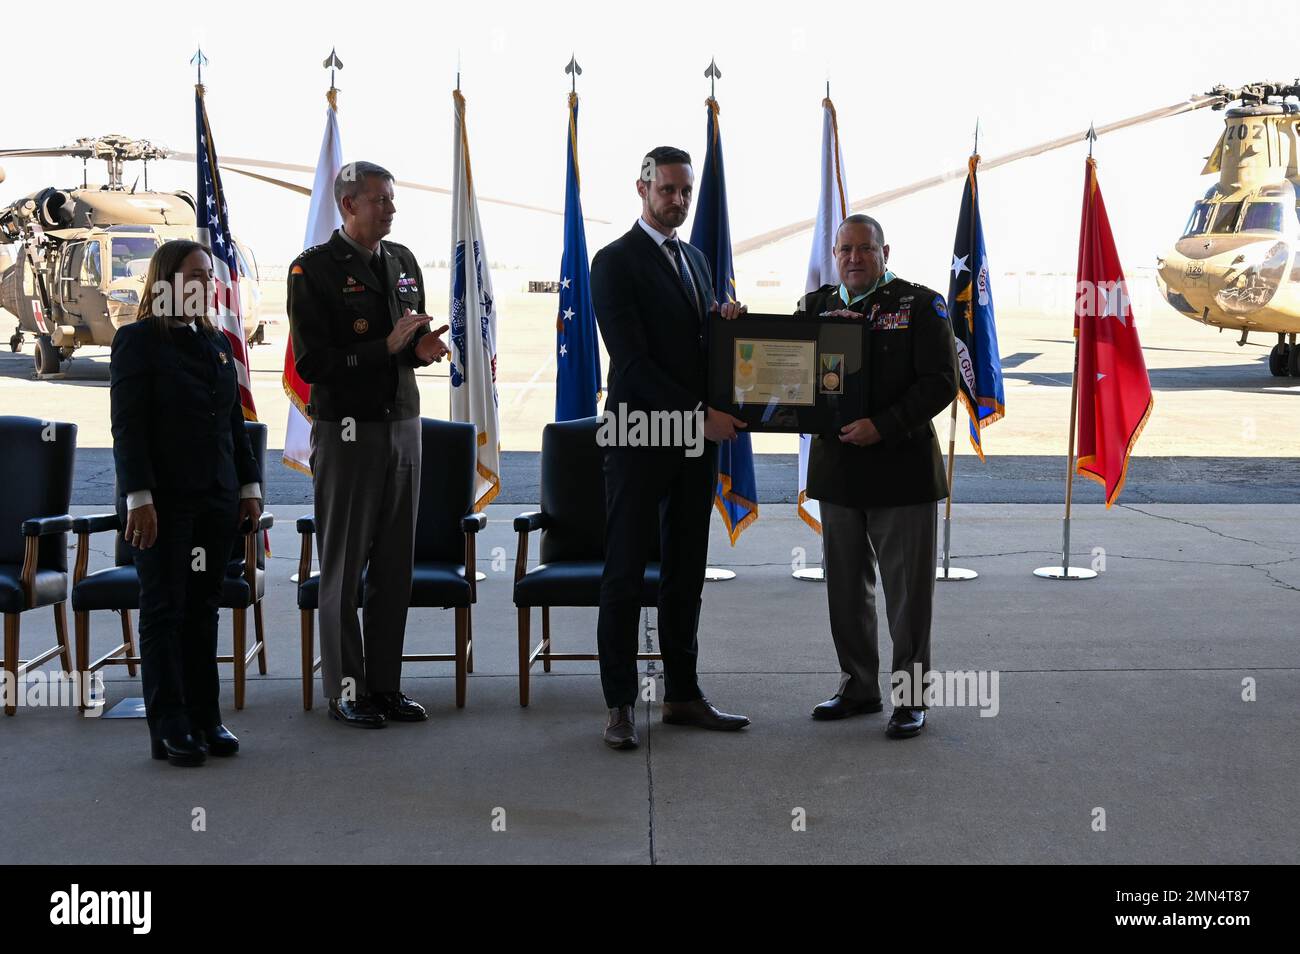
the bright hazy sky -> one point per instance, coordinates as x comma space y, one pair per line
908, 80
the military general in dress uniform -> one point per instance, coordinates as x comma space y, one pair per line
878, 480
356, 315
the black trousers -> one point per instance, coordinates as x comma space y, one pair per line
180, 585
649, 492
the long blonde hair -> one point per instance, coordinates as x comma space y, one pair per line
163, 267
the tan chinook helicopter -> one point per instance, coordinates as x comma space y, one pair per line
1237, 264
82, 254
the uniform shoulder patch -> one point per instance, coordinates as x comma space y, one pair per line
940, 306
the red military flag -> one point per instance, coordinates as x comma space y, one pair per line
1114, 389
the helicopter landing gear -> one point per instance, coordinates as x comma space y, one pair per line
16, 342
47, 356
1278, 359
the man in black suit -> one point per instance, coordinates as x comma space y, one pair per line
652, 293
878, 480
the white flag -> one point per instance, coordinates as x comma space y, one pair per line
322, 219
473, 319
832, 209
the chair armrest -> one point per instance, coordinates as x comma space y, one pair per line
96, 523
44, 526
474, 522
532, 520
306, 524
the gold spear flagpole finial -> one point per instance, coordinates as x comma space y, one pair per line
574, 71
976, 148
198, 60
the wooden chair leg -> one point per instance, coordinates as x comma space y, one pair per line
61, 631
469, 627
525, 621
128, 638
11, 660
308, 626
462, 654
546, 639
261, 637
241, 634
81, 634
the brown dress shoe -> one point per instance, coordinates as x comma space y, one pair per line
702, 715
620, 729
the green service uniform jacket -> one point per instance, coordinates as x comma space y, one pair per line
340, 315
911, 368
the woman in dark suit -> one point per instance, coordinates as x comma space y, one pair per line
186, 466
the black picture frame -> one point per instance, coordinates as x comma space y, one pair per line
839, 390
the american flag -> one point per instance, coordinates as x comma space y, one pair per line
214, 232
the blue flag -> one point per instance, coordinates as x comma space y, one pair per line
577, 357
970, 303
736, 493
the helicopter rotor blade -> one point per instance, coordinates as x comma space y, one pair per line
229, 162
880, 198
291, 186
60, 151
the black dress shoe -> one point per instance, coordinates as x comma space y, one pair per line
179, 750
620, 728
841, 708
398, 707
905, 723
702, 715
218, 740
362, 713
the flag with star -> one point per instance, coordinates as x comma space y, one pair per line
322, 219
832, 209
1115, 397
736, 492
970, 305
214, 232
577, 357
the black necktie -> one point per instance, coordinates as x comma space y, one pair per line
377, 264
683, 272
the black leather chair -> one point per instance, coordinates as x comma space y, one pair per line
572, 550
444, 550
36, 474
117, 588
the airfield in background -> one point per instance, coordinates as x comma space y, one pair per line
1212, 398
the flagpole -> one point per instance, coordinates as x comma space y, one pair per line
1065, 571
947, 573
715, 574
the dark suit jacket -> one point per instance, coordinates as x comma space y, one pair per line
177, 420
911, 376
654, 333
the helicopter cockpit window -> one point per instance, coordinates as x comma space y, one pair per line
1225, 219
131, 255
1265, 216
1199, 220
91, 268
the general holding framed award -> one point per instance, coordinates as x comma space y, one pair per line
785, 374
